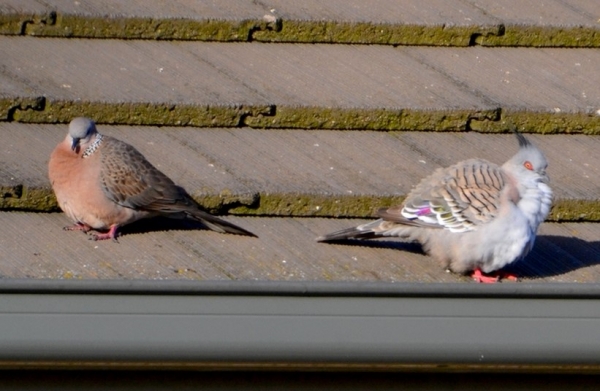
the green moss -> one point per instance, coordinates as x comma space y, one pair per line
373, 33
11, 107
540, 122
42, 199
71, 25
369, 119
21, 197
224, 201
544, 36
6, 106
123, 27
19, 23
365, 206
11, 24
131, 113
575, 210
54, 24
314, 205
40, 110
106, 26
441, 35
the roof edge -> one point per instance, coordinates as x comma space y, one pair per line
270, 326
301, 288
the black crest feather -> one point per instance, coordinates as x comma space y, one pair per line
523, 141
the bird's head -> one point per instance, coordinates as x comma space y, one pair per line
529, 161
81, 132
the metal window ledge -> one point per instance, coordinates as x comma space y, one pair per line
298, 325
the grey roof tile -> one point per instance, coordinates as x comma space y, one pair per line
35, 246
302, 86
296, 171
318, 172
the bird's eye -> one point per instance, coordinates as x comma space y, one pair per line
528, 165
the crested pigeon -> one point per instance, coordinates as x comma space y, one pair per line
474, 216
102, 183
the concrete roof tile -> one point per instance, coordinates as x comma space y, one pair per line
223, 9
314, 168
413, 22
35, 246
120, 71
414, 12
545, 13
554, 80
297, 85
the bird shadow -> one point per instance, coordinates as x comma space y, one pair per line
556, 255
411, 247
157, 224
551, 256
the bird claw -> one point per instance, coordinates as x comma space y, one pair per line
111, 234
96, 237
509, 276
492, 278
479, 277
77, 227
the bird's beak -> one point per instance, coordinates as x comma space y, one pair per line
545, 178
75, 144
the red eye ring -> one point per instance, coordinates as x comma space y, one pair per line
528, 165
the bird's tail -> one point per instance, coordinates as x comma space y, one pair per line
360, 232
217, 224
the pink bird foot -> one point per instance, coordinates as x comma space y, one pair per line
111, 234
492, 278
78, 227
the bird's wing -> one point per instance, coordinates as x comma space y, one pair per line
129, 180
458, 198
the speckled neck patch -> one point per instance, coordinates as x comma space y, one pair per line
92, 148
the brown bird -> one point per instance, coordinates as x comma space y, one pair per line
102, 183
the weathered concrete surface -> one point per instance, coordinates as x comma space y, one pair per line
222, 9
570, 23
122, 82
541, 80
228, 20
446, 23
35, 246
302, 172
443, 23
300, 86
224, 88
567, 23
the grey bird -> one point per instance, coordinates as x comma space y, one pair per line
474, 216
102, 183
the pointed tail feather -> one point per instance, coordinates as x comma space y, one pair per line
348, 233
219, 225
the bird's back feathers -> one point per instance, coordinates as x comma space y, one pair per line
457, 198
130, 180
